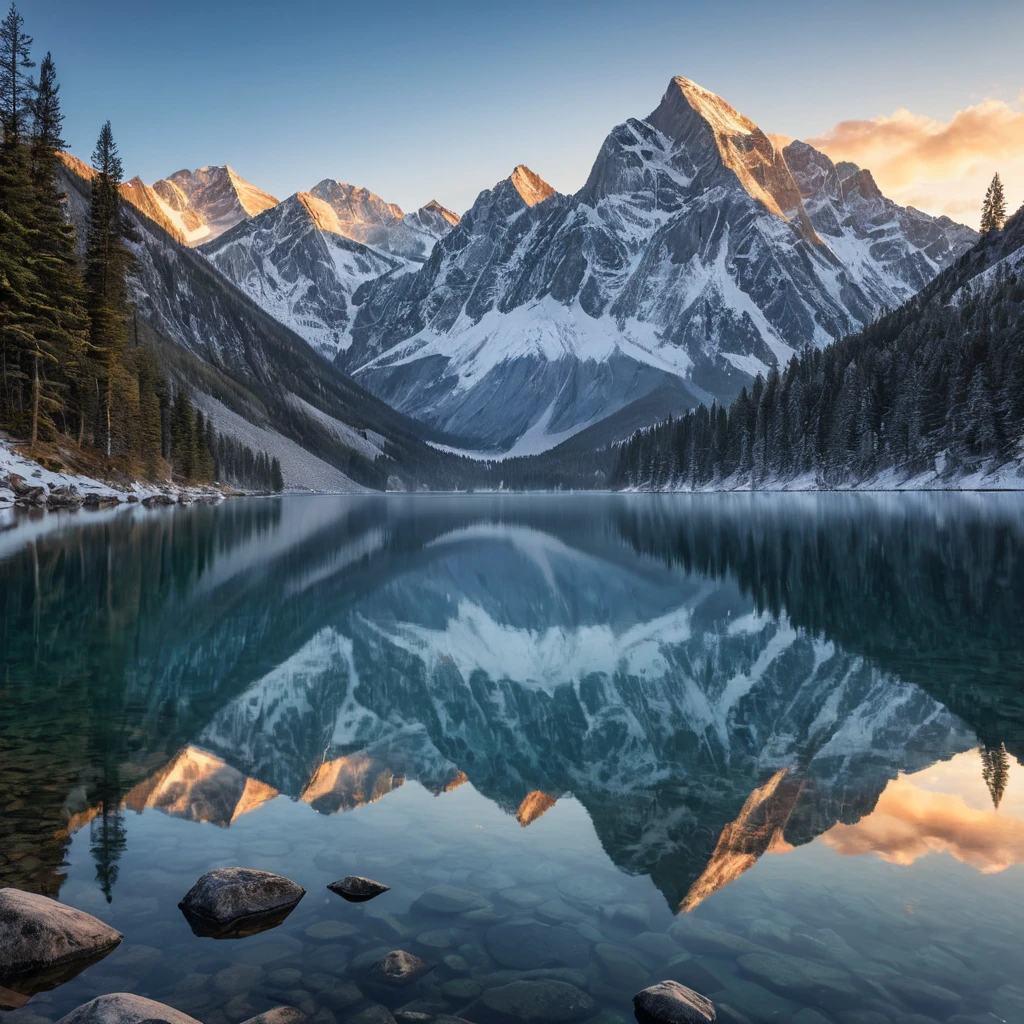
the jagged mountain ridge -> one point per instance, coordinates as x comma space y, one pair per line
365, 217
255, 379
689, 256
296, 262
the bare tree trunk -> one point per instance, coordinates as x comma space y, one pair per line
35, 401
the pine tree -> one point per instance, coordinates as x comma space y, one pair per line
995, 770
15, 83
18, 283
107, 263
61, 334
993, 210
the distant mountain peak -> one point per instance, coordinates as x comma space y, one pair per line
211, 200
532, 188
435, 207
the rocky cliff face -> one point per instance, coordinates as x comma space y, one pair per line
698, 253
297, 262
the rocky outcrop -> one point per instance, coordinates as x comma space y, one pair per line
44, 943
239, 901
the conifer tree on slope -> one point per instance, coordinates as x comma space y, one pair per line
61, 334
18, 284
993, 210
106, 267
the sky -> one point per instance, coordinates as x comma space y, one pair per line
419, 101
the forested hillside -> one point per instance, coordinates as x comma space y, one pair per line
72, 369
933, 391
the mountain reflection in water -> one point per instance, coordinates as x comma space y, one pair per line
712, 679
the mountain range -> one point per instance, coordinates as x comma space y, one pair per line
699, 253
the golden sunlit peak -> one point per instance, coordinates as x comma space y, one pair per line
200, 786
531, 187
533, 806
758, 829
349, 782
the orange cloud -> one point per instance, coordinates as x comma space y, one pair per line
938, 166
936, 811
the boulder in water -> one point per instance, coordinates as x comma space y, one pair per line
44, 943
233, 902
357, 889
668, 1002
398, 968
125, 1008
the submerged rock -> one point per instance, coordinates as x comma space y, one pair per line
527, 945
357, 889
535, 1002
668, 1002
793, 975
232, 902
44, 943
125, 1008
278, 1015
448, 899
398, 968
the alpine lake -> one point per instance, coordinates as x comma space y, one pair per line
765, 745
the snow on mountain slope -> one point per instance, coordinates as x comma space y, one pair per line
297, 263
211, 200
365, 217
689, 254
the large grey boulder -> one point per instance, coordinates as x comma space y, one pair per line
231, 902
668, 1002
125, 1008
44, 943
534, 1002
357, 889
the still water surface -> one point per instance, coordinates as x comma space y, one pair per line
765, 745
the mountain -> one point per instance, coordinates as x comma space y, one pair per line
255, 379
304, 260
930, 395
365, 217
297, 262
209, 201
698, 254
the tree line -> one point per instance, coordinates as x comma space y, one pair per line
936, 385
69, 367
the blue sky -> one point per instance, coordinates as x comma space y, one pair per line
419, 101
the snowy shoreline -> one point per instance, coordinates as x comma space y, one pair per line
58, 490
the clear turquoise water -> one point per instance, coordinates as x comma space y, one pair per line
753, 743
